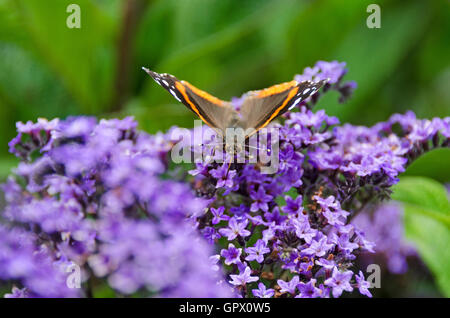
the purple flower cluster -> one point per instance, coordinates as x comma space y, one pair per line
384, 226
290, 234
103, 196
96, 196
21, 259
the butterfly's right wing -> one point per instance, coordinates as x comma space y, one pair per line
261, 107
216, 113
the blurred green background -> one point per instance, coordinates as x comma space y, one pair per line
223, 46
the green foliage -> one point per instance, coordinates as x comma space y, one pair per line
427, 224
223, 46
433, 164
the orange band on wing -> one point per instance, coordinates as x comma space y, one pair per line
277, 111
182, 90
275, 89
204, 94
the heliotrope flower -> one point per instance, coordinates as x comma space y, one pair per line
318, 247
17, 293
243, 278
235, 228
256, 252
260, 200
309, 290
290, 286
263, 291
218, 215
231, 254
224, 176
363, 285
339, 282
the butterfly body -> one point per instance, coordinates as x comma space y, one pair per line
258, 109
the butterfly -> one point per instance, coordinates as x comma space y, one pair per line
258, 109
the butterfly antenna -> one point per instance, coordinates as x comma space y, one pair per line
257, 148
211, 144
229, 165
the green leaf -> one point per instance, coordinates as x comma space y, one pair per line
431, 239
430, 165
426, 196
374, 56
82, 58
427, 224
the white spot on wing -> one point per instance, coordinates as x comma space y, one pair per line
295, 103
174, 95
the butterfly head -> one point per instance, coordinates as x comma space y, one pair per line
233, 148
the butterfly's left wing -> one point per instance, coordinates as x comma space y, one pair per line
216, 113
261, 107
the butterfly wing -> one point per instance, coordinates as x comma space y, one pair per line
214, 112
261, 107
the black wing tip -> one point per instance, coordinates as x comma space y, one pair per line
321, 82
324, 81
314, 83
148, 71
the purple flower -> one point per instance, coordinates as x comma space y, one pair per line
288, 287
326, 263
218, 215
335, 217
339, 282
231, 255
260, 200
318, 248
235, 229
327, 203
303, 229
275, 216
210, 234
344, 243
224, 176
17, 293
256, 253
363, 285
263, 292
293, 206
309, 290
332, 70
243, 278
